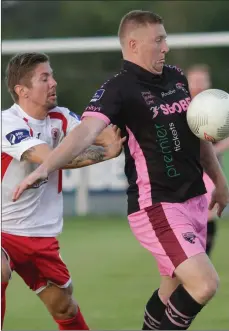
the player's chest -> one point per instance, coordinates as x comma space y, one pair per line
50, 131
166, 104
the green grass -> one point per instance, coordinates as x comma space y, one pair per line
113, 278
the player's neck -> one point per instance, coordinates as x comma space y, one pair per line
140, 64
35, 111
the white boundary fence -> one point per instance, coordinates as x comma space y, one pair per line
109, 44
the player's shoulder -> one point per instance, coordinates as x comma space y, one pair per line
115, 81
64, 111
111, 86
11, 115
173, 70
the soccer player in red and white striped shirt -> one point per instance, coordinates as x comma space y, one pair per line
31, 128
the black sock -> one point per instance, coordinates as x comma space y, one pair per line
154, 311
180, 311
211, 233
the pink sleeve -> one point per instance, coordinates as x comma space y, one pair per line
98, 115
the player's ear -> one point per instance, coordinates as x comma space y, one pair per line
21, 90
133, 45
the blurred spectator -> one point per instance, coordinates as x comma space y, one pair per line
199, 79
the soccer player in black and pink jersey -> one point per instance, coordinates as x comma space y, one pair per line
167, 207
199, 79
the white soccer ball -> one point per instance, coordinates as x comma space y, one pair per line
208, 115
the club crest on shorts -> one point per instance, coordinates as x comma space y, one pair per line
190, 237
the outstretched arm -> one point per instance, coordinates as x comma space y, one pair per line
91, 155
80, 138
72, 145
111, 146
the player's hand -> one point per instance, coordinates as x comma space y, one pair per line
114, 142
35, 178
220, 198
107, 136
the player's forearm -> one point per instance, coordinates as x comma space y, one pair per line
222, 146
211, 164
36, 154
92, 155
72, 145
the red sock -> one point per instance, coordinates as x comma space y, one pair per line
75, 323
3, 301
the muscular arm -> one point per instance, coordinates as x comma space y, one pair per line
36, 154
211, 164
91, 155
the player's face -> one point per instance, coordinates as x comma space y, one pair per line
43, 87
152, 47
198, 82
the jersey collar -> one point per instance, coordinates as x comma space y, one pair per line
25, 115
142, 73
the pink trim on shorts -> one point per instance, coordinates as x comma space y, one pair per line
143, 181
98, 115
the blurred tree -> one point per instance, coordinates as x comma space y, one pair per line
79, 75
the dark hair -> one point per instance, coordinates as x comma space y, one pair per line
137, 18
20, 70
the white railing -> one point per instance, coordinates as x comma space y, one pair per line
109, 44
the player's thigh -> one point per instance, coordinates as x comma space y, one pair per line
14, 251
5, 267
31, 276
19, 250
168, 233
50, 264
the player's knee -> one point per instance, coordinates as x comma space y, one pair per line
207, 288
65, 310
199, 277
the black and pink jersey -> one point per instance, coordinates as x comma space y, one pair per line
162, 155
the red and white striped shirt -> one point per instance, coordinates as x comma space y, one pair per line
39, 211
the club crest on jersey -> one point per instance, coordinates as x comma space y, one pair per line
16, 136
190, 237
98, 95
181, 86
148, 97
55, 133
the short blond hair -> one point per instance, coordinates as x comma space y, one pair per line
135, 19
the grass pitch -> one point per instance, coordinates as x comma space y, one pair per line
113, 278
